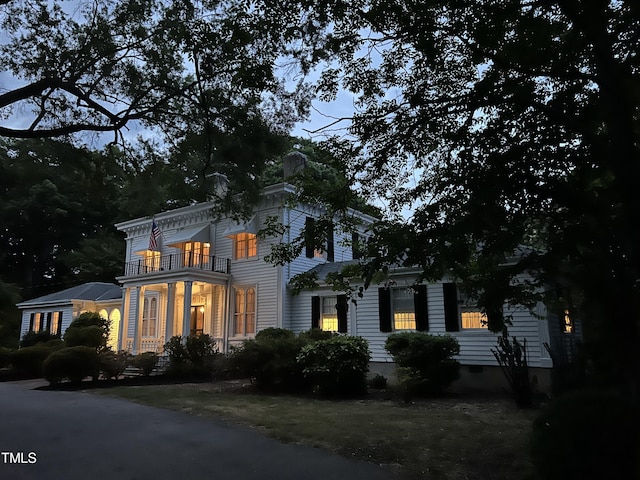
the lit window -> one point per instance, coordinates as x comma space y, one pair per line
150, 316
151, 261
37, 322
56, 323
473, 319
404, 313
196, 254
567, 322
245, 311
246, 245
329, 314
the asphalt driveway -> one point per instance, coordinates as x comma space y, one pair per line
48, 435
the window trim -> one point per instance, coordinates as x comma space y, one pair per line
455, 304
341, 310
250, 238
147, 320
420, 308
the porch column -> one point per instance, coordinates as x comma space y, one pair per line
123, 334
171, 302
138, 310
543, 329
186, 319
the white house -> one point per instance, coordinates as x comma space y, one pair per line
187, 273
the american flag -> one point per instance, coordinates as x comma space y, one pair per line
155, 234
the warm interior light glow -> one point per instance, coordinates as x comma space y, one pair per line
202, 309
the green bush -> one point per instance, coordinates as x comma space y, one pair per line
425, 363
193, 356
511, 355
30, 339
113, 364
145, 362
28, 361
88, 329
587, 434
378, 382
270, 361
273, 333
5, 357
73, 363
337, 366
316, 334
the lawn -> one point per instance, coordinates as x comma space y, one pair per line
451, 438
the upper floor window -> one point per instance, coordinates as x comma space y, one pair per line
151, 260
312, 249
196, 253
567, 322
245, 245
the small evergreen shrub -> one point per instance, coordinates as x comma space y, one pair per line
587, 434
145, 362
378, 382
316, 334
28, 361
273, 333
337, 366
73, 363
30, 339
270, 361
112, 364
89, 329
425, 362
191, 357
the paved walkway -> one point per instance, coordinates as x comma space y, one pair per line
76, 435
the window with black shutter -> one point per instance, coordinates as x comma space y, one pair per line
315, 312
342, 306
421, 308
384, 309
330, 252
309, 236
451, 314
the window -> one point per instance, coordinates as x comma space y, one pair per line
246, 245
56, 323
567, 322
245, 311
36, 322
195, 254
330, 313
311, 251
151, 261
150, 316
403, 308
460, 311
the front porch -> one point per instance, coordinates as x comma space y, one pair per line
154, 313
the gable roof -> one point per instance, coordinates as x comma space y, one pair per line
323, 269
93, 291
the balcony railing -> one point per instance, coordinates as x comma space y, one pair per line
177, 261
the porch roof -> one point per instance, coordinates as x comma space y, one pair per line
190, 234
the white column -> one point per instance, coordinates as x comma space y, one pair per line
186, 319
124, 320
171, 301
139, 307
543, 330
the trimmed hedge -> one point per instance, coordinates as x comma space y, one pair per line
425, 362
73, 363
5, 357
191, 357
28, 360
145, 362
113, 364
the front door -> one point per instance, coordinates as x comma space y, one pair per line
197, 320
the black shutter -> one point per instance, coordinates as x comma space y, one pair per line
355, 245
384, 309
420, 305
451, 321
330, 254
309, 236
49, 322
59, 328
32, 319
315, 312
342, 306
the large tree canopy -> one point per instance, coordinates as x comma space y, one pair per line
502, 124
102, 65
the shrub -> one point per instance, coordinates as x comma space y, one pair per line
28, 361
5, 357
425, 363
145, 362
272, 333
192, 356
316, 334
89, 329
378, 382
270, 362
74, 363
587, 434
337, 366
512, 358
30, 339
112, 364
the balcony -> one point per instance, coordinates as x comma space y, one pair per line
177, 261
